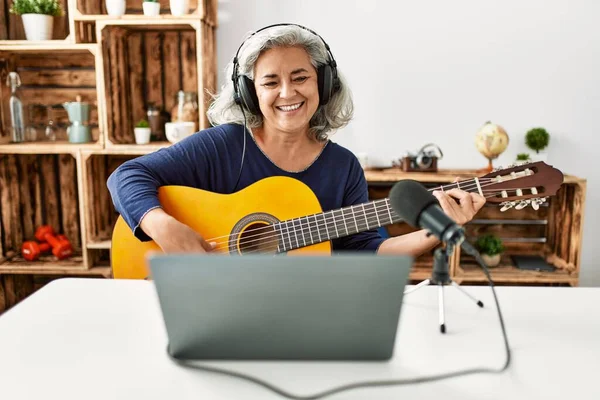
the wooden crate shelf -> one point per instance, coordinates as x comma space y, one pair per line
134, 149
507, 272
51, 266
99, 259
58, 147
96, 56
85, 14
144, 64
38, 190
552, 232
20, 45
50, 75
100, 215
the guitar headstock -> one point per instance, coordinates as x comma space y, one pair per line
522, 185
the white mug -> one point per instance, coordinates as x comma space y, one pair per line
177, 131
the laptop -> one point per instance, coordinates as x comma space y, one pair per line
264, 307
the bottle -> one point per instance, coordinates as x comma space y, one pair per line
157, 118
16, 108
186, 108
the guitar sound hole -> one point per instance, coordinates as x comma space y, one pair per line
258, 238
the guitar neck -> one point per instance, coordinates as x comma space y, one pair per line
316, 228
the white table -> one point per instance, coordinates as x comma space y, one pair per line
105, 339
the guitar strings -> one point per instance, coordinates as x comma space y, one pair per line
270, 231
275, 240
467, 187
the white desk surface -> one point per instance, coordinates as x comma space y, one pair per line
105, 339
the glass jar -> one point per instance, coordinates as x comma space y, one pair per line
186, 108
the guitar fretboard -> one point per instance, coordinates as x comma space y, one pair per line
316, 228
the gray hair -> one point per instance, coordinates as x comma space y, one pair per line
335, 114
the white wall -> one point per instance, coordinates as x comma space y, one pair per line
435, 70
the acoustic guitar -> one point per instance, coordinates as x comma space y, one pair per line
283, 215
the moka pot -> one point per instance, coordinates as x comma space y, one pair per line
79, 115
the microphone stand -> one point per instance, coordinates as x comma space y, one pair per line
440, 276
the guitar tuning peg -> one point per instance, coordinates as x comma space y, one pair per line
522, 204
507, 205
535, 203
498, 168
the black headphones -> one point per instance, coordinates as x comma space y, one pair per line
245, 93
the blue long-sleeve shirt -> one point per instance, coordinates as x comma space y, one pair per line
210, 160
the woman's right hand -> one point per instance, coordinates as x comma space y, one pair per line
173, 236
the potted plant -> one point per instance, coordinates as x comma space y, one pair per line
537, 139
523, 157
491, 248
142, 132
151, 8
38, 17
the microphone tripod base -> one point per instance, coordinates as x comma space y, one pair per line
440, 277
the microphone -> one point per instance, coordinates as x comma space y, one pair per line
420, 209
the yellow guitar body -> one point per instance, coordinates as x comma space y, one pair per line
225, 219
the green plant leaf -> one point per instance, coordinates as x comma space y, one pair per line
489, 244
45, 7
142, 124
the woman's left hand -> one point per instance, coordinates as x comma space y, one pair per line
462, 211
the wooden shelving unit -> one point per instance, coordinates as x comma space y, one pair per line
553, 232
119, 65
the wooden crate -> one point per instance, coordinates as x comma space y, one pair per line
100, 214
149, 64
13, 289
553, 232
84, 31
38, 189
49, 77
85, 14
11, 26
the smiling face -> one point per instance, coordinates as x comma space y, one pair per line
287, 88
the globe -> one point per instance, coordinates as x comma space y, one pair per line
491, 141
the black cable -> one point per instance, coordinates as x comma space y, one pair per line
470, 250
243, 151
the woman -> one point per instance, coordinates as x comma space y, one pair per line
286, 90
